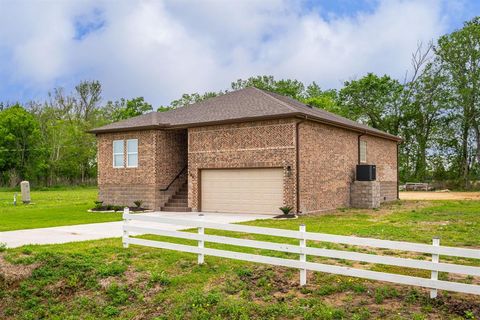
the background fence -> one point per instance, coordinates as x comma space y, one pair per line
303, 250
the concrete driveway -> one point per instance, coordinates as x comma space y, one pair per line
94, 231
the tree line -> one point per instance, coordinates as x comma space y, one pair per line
48, 144
435, 108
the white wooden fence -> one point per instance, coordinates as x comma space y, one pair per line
303, 250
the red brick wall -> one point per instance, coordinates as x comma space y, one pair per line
257, 144
328, 156
383, 153
171, 155
161, 155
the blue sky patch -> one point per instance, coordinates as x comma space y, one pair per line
87, 24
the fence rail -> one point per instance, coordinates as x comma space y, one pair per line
303, 251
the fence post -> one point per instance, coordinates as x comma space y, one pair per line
201, 243
126, 211
435, 259
303, 256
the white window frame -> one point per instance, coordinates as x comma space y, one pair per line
363, 146
118, 153
131, 153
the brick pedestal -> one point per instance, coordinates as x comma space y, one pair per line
365, 194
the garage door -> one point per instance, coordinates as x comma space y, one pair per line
242, 190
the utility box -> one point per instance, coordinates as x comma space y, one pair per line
366, 172
25, 188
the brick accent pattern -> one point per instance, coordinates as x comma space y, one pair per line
260, 144
161, 156
365, 194
328, 158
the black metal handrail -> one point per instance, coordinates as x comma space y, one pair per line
176, 177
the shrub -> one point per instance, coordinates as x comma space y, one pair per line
98, 204
117, 208
138, 203
109, 207
286, 209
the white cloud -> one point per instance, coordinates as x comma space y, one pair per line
162, 49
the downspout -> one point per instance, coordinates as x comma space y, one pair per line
358, 145
297, 161
398, 173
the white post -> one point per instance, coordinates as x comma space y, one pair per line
303, 257
126, 211
25, 189
201, 243
434, 275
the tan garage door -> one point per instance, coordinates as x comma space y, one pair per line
242, 190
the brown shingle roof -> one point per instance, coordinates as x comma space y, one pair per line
237, 106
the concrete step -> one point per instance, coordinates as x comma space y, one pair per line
179, 196
177, 201
176, 209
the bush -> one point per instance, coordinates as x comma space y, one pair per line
286, 209
98, 204
117, 208
138, 203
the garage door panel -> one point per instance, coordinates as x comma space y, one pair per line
242, 190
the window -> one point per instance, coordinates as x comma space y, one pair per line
363, 151
118, 152
132, 153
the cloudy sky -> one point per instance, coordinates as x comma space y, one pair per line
161, 49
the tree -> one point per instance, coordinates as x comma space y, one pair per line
64, 121
188, 99
429, 99
424, 100
89, 96
287, 87
459, 55
124, 109
327, 100
374, 101
19, 136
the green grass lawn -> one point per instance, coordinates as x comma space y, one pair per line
56, 207
457, 223
101, 280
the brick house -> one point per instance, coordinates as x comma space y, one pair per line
245, 151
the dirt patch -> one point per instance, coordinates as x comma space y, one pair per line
427, 195
11, 273
129, 278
